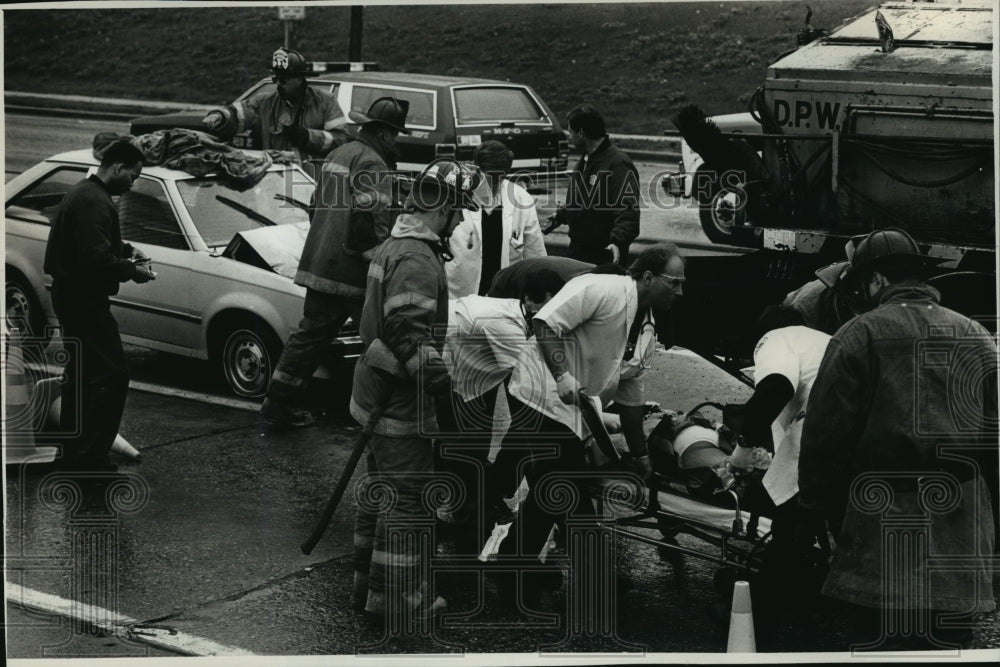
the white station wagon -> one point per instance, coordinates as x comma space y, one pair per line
224, 261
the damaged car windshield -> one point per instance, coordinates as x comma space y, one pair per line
220, 212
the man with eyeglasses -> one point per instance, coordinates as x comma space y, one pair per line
596, 335
296, 117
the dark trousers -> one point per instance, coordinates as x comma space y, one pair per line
465, 435
323, 316
793, 566
556, 459
93, 395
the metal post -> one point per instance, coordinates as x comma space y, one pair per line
357, 22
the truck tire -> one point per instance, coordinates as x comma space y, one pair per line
719, 215
722, 214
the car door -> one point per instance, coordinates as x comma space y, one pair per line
29, 214
158, 313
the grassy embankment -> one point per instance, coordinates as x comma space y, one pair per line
636, 62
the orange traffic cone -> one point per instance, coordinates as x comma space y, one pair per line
19, 437
741, 636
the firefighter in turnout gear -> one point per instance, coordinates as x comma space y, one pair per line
397, 379
351, 217
296, 117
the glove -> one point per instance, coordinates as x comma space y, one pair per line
213, 120
143, 274
567, 387
298, 135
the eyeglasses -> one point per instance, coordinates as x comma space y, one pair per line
673, 281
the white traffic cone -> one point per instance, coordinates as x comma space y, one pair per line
52, 418
741, 635
121, 446
18, 426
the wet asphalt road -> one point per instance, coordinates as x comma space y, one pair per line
207, 546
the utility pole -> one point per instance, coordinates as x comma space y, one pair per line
357, 21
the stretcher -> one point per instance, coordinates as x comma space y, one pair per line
727, 532
729, 519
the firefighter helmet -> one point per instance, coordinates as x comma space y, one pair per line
289, 63
883, 245
386, 110
446, 183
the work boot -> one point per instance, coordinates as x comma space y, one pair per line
282, 414
425, 613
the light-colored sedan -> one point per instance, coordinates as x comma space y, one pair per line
224, 260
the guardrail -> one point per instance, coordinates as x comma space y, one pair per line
105, 108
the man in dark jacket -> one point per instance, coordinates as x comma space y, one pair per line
87, 260
296, 117
901, 431
351, 217
602, 199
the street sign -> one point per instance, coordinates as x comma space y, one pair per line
291, 13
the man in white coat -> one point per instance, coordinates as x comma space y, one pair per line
787, 359
504, 231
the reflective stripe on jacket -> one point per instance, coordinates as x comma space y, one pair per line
339, 208
270, 115
406, 307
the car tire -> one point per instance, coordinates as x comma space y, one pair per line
23, 308
246, 355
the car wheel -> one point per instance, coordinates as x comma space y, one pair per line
247, 356
23, 310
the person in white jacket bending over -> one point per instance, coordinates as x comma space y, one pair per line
503, 232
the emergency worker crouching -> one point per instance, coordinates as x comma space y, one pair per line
397, 379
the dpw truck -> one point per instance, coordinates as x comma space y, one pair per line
886, 121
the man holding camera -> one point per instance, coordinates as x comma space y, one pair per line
87, 260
